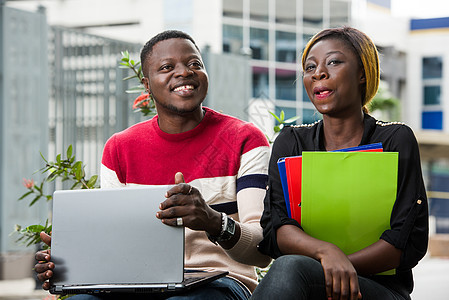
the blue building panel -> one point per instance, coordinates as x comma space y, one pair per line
434, 23
432, 120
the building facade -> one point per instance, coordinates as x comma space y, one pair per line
252, 47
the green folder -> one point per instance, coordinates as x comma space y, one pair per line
347, 197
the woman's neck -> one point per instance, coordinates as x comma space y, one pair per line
342, 133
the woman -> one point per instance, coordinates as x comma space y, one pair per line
341, 76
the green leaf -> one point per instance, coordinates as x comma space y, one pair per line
130, 77
277, 128
276, 117
43, 157
292, 119
282, 116
76, 185
124, 53
92, 181
135, 89
35, 228
35, 200
78, 171
25, 195
69, 151
52, 176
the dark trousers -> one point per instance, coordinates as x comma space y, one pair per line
224, 288
300, 277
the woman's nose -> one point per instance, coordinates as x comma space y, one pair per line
320, 73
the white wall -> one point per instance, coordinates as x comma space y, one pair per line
424, 44
205, 24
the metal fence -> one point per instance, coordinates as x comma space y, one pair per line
87, 101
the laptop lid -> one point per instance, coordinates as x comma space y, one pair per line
106, 240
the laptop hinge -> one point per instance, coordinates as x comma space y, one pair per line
58, 288
171, 286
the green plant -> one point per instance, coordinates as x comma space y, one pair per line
385, 104
281, 122
63, 169
145, 102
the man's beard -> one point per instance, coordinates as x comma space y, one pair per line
175, 109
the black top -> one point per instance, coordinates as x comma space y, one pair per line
409, 218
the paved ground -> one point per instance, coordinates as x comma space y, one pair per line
431, 283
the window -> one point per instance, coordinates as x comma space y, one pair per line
260, 83
285, 46
285, 84
432, 95
232, 38
432, 73
259, 43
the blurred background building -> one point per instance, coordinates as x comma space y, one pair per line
60, 83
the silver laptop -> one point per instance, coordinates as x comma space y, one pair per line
110, 241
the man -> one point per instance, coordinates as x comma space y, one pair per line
223, 159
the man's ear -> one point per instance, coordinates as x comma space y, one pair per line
146, 84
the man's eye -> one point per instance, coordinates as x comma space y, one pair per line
196, 64
165, 67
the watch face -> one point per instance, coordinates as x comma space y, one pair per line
231, 226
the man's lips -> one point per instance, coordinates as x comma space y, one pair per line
187, 87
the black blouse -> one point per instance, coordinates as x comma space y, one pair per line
409, 218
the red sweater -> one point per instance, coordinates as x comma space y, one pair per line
225, 158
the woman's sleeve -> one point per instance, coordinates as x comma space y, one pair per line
275, 211
410, 218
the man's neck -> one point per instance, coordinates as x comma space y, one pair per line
178, 123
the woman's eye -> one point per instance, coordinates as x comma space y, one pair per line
310, 67
334, 62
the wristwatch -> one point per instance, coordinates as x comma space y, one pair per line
227, 230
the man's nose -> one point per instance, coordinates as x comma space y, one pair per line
183, 70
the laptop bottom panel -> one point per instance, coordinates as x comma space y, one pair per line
191, 280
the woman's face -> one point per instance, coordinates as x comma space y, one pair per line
333, 78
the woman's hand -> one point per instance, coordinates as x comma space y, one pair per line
185, 206
44, 267
340, 275
341, 278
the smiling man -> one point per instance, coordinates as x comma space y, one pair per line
223, 160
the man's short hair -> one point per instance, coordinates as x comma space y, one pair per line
147, 49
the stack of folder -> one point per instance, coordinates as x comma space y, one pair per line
344, 197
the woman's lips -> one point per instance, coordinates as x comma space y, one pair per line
322, 92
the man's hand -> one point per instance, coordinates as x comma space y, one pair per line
44, 267
186, 202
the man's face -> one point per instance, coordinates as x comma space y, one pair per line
176, 77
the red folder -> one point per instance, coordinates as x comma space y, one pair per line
293, 169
